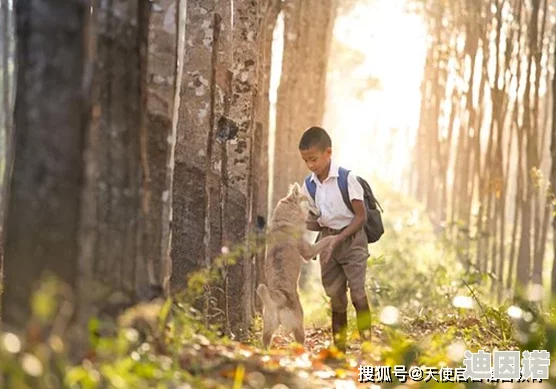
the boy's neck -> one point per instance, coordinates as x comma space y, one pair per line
324, 176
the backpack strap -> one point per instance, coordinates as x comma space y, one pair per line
343, 185
311, 186
375, 199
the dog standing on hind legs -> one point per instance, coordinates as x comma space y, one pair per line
287, 247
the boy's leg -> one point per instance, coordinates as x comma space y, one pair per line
354, 263
363, 313
334, 282
339, 329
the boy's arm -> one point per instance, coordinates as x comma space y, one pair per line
357, 222
354, 226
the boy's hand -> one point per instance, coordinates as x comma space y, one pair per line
326, 254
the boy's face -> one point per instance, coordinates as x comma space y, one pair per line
317, 160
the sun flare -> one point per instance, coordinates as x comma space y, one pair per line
374, 124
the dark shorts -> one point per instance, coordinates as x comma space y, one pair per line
348, 265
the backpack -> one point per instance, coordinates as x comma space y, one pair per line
373, 225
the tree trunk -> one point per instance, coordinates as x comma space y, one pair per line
518, 169
43, 213
504, 121
530, 128
161, 76
189, 248
167, 197
7, 97
463, 193
120, 270
239, 158
538, 131
216, 186
308, 26
553, 169
482, 171
262, 113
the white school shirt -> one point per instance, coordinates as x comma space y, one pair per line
328, 198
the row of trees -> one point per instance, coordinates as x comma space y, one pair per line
141, 144
487, 131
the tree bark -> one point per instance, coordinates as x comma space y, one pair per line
120, 270
167, 197
524, 256
162, 79
189, 248
512, 260
238, 199
308, 26
267, 23
538, 131
7, 97
553, 170
221, 96
43, 215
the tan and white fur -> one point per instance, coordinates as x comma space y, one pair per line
287, 247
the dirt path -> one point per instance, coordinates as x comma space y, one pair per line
285, 366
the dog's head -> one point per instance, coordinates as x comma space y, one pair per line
302, 199
293, 208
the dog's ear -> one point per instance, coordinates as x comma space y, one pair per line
295, 190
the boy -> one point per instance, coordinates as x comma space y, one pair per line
345, 264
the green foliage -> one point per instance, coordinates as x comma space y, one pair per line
142, 348
427, 308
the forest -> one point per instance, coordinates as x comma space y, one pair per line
144, 145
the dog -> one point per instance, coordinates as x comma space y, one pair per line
287, 247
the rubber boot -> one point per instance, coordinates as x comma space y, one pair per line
339, 330
363, 314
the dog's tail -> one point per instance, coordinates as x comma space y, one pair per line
270, 297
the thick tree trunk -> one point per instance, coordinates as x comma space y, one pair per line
189, 247
239, 159
217, 164
43, 215
120, 264
308, 26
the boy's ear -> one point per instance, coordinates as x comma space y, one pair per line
328, 151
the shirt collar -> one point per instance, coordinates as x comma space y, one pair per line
334, 172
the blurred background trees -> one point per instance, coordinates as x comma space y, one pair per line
149, 138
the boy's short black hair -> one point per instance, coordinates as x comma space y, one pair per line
315, 137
